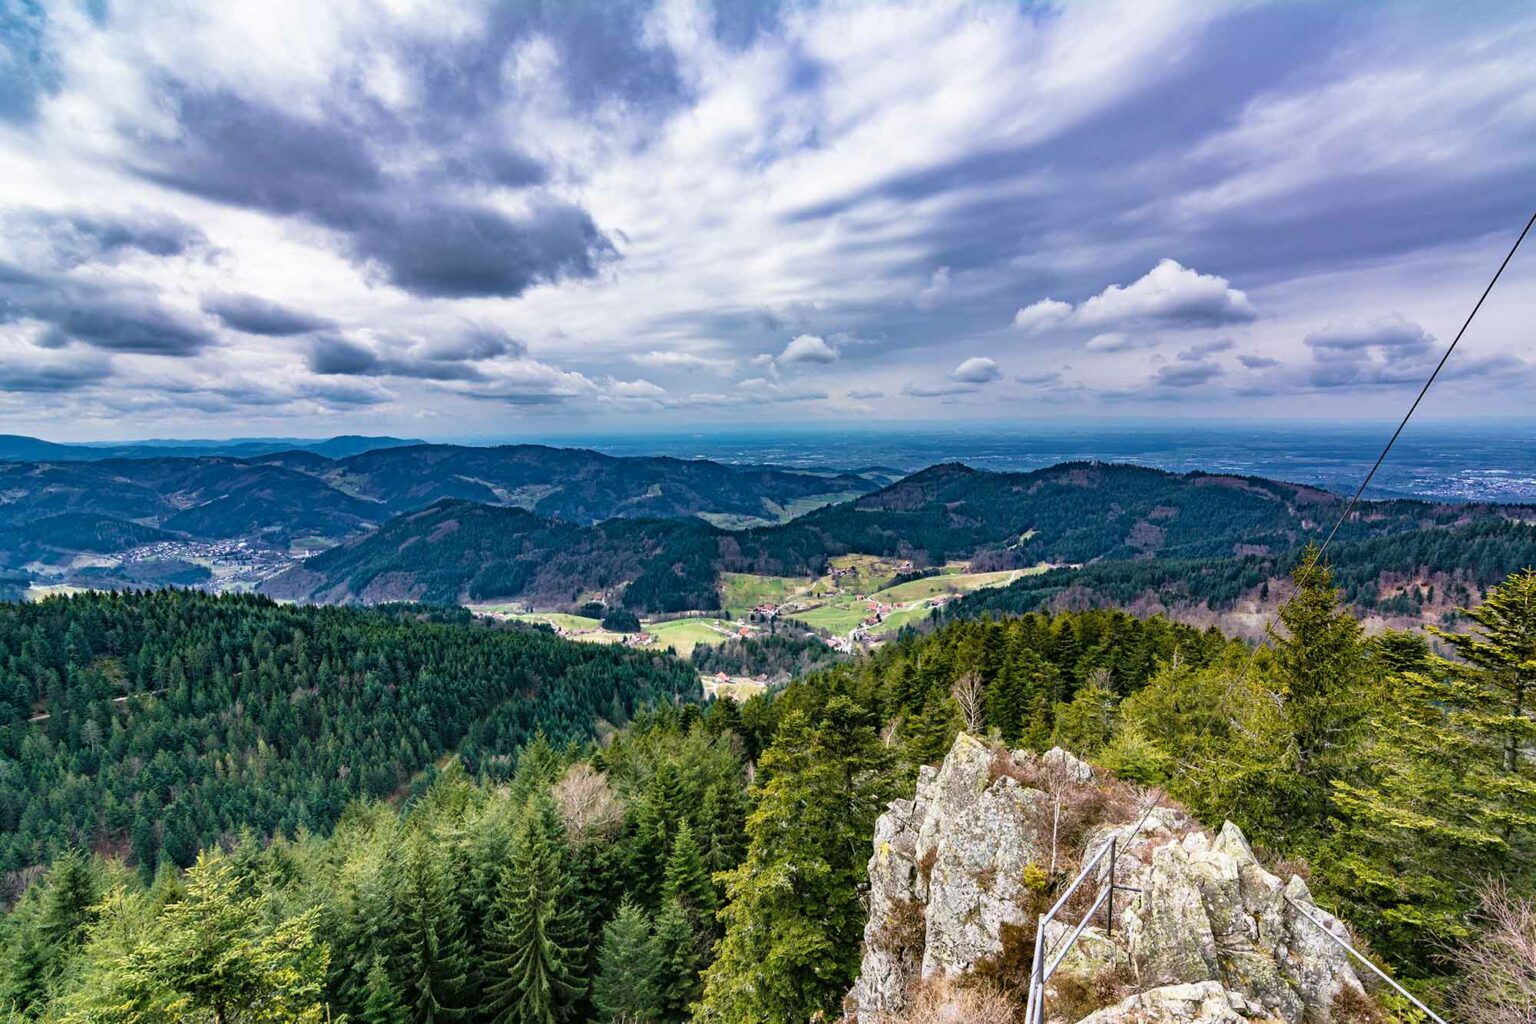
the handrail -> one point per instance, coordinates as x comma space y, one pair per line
1361, 957
1040, 973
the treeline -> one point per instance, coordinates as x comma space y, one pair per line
156, 723
1072, 513
1462, 561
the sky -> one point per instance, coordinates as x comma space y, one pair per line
503, 218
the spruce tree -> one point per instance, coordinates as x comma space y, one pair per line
1448, 795
679, 952
433, 961
687, 879
383, 1003
794, 920
625, 987
1086, 723
531, 976
1321, 669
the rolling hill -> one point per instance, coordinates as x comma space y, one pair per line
309, 499
1075, 514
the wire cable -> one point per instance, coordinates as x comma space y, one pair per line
1354, 501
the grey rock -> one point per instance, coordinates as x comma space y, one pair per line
1197, 1003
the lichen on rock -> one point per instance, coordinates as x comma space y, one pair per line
1208, 935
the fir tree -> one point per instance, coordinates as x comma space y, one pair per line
1086, 724
625, 987
679, 951
1321, 667
687, 879
383, 1003
531, 977
793, 923
433, 961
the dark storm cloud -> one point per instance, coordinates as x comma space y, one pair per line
1186, 375
410, 229
331, 355
21, 374
117, 320
255, 315
462, 251
343, 358
83, 237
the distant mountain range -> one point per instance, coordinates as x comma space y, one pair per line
18, 448
53, 510
1072, 514
556, 527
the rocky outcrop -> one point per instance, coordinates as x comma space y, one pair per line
1202, 933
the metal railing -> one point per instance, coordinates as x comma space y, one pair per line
1045, 965
1040, 972
1352, 951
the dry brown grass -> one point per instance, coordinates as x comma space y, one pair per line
951, 1001
1074, 997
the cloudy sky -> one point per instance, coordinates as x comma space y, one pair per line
284, 217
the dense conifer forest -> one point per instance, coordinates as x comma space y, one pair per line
158, 723
707, 862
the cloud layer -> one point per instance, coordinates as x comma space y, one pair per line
481, 217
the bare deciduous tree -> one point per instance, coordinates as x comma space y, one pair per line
1498, 966
588, 805
967, 694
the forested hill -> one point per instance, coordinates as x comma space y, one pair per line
586, 886
1077, 514
457, 550
1429, 572
159, 722
1080, 512
302, 495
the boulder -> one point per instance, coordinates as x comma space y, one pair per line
1204, 1002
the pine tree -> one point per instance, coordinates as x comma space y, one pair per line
531, 977
625, 987
384, 1003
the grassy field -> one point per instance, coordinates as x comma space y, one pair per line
950, 583
838, 616
741, 592
569, 623
894, 621
683, 635
812, 502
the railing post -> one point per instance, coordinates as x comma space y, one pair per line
1109, 919
1036, 987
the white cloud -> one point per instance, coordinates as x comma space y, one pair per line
684, 361
1118, 341
1042, 315
976, 370
1168, 294
808, 348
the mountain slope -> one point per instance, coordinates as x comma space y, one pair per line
1142, 520
456, 551
283, 497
